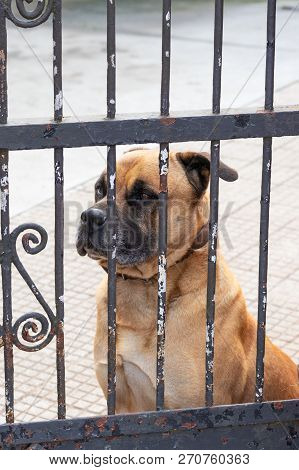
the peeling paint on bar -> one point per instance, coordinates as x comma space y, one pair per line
163, 195
161, 323
161, 329
162, 274
112, 60
214, 235
4, 181
210, 333
112, 181
164, 158
111, 330
4, 198
58, 173
58, 101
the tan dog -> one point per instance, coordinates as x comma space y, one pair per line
137, 234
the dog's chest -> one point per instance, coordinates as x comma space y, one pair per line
137, 332
136, 319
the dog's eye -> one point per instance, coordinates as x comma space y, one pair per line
141, 193
99, 193
143, 197
146, 196
100, 188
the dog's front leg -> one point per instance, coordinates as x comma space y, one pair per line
124, 395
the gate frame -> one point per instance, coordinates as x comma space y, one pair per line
260, 425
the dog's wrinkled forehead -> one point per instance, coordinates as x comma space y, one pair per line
139, 164
187, 170
136, 167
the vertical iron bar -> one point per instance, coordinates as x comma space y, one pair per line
59, 211
59, 280
265, 206
57, 60
3, 68
214, 203
5, 232
162, 275
217, 68
270, 55
111, 60
163, 167
111, 215
6, 288
166, 43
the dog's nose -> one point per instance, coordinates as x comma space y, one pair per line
94, 216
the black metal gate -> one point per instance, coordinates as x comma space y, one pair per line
246, 426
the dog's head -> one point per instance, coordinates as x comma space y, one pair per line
137, 206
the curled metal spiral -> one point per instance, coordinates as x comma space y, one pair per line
28, 17
27, 239
36, 329
33, 328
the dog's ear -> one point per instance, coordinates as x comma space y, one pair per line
197, 168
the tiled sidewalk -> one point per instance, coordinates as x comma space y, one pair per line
35, 374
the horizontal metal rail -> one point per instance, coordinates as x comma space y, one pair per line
249, 426
141, 129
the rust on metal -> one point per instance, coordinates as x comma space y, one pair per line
189, 425
167, 121
278, 406
161, 421
102, 423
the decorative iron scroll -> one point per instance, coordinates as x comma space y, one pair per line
21, 14
35, 329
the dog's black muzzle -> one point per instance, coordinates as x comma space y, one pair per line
91, 232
